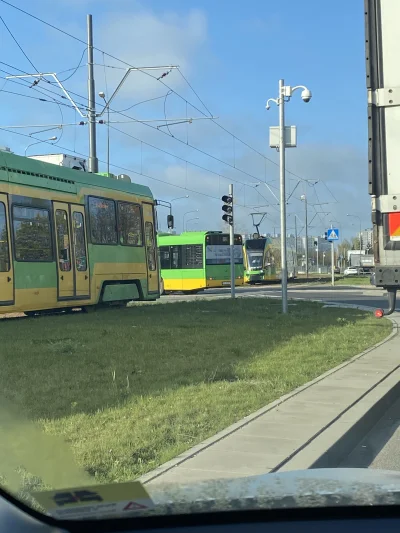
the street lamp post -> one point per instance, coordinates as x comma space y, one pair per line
304, 198
187, 212
38, 142
285, 92
296, 239
190, 220
359, 219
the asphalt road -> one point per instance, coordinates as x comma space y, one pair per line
342, 294
380, 448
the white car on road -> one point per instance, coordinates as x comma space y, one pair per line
351, 271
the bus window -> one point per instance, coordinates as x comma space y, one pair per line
192, 256
32, 234
175, 262
165, 257
4, 250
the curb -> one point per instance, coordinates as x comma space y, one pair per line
169, 465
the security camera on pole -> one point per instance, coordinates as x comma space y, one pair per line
287, 139
227, 217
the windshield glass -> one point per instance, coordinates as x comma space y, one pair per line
183, 299
255, 260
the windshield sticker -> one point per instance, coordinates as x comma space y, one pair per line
99, 501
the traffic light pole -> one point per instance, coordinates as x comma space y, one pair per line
232, 246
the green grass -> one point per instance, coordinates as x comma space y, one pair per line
129, 389
354, 280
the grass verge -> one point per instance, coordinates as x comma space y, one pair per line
129, 389
354, 280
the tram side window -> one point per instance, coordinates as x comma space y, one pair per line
4, 250
79, 242
150, 245
32, 234
63, 244
103, 223
130, 224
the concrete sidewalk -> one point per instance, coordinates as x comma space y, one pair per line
302, 429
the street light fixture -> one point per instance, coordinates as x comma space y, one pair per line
180, 198
38, 142
284, 95
187, 212
190, 220
103, 95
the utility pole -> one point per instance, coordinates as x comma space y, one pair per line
332, 261
93, 163
304, 198
295, 245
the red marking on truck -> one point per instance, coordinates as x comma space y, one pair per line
394, 226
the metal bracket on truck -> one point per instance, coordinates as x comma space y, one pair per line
382, 46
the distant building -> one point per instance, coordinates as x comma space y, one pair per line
366, 239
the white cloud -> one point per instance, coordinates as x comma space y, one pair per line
143, 38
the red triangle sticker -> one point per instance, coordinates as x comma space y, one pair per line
133, 506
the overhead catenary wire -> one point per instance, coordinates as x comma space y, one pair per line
17, 43
74, 69
173, 91
160, 81
183, 142
126, 169
228, 178
186, 143
179, 140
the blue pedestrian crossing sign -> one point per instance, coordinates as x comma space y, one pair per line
332, 234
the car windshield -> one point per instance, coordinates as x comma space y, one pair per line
195, 287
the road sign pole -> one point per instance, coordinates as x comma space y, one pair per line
333, 262
232, 246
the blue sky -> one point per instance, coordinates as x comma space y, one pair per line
233, 53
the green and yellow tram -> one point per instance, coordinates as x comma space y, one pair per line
193, 261
70, 239
258, 261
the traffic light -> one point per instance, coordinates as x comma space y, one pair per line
227, 208
316, 243
326, 235
170, 221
